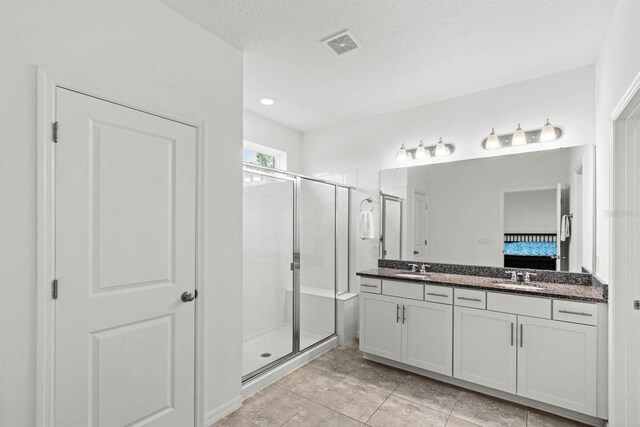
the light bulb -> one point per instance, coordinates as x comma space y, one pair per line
548, 133
492, 141
402, 153
422, 152
442, 149
519, 137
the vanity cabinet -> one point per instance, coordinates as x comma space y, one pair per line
417, 333
538, 348
485, 348
557, 363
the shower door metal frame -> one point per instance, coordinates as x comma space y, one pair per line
294, 350
297, 180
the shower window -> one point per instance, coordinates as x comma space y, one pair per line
264, 156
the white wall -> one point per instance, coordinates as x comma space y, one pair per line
617, 66
358, 150
151, 54
532, 211
267, 132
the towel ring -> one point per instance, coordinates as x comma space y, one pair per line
367, 200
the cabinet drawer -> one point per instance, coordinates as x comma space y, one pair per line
442, 294
575, 312
373, 286
403, 289
470, 298
526, 306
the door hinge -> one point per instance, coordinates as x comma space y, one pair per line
54, 289
636, 304
55, 131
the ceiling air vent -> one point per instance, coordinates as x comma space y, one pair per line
342, 43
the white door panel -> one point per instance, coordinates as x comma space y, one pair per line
484, 350
380, 320
125, 252
557, 363
427, 334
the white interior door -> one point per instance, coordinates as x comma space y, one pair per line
125, 253
625, 391
419, 227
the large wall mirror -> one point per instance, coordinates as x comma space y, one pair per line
528, 211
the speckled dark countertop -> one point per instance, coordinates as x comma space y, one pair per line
592, 293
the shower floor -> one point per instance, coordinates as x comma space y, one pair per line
278, 342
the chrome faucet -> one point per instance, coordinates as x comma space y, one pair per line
515, 276
422, 268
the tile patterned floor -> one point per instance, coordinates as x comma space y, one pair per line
340, 388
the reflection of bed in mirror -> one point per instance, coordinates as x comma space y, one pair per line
530, 250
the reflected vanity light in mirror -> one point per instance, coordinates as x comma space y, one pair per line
422, 152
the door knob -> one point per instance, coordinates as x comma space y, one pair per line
416, 252
188, 296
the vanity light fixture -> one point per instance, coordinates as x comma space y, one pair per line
422, 152
265, 100
442, 149
548, 133
492, 141
402, 154
519, 137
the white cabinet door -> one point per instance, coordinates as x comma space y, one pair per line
381, 327
557, 363
484, 348
427, 335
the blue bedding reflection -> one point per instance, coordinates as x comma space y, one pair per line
530, 248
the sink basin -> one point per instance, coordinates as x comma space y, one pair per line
414, 275
517, 286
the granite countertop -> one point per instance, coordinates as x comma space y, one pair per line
591, 293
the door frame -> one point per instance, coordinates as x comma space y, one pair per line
48, 81
621, 196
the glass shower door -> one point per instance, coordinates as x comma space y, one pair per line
317, 210
268, 291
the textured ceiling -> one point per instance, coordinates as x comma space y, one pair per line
414, 52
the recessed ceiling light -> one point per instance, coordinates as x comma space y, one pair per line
267, 101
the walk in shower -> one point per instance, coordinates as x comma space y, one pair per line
295, 255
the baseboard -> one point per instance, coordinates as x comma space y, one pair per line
222, 411
576, 416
